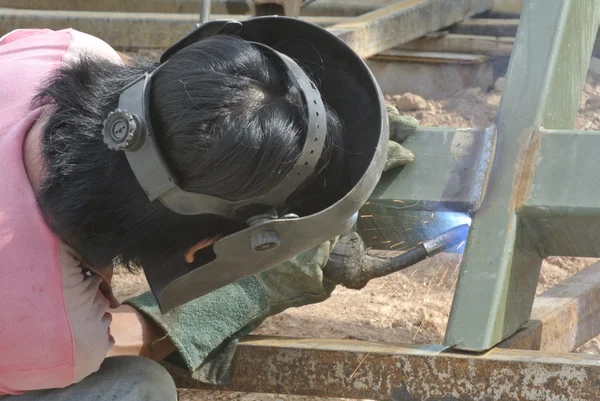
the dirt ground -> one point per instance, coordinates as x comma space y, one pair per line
413, 305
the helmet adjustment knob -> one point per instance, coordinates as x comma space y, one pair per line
123, 131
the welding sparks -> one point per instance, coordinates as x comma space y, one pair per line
460, 245
395, 245
364, 216
398, 201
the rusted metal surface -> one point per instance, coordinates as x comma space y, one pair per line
429, 57
564, 317
288, 8
403, 21
374, 371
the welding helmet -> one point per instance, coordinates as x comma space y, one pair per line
272, 233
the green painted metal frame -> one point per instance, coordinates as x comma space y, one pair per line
503, 255
541, 197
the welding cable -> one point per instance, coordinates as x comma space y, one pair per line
382, 266
353, 266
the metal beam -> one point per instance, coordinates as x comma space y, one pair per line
502, 259
487, 27
565, 218
346, 8
121, 30
509, 6
289, 8
450, 173
502, 28
368, 34
564, 317
457, 43
376, 371
429, 57
403, 21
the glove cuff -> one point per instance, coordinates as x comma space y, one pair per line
204, 328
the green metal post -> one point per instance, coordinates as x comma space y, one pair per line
500, 268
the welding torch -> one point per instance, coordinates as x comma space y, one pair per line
353, 266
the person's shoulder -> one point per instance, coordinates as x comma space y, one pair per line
22, 34
84, 44
76, 43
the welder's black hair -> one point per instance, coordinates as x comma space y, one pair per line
229, 123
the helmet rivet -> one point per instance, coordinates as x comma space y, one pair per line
264, 241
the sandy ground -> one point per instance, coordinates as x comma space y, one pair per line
411, 306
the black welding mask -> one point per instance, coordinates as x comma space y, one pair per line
332, 73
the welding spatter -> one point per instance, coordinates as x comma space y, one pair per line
353, 266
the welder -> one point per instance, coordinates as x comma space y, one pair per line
226, 172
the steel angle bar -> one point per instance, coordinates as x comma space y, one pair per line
456, 43
564, 317
487, 27
429, 57
376, 371
403, 21
502, 29
450, 173
561, 207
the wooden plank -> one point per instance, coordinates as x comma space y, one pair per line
378, 371
404, 21
564, 317
456, 43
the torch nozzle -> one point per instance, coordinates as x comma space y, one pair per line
446, 240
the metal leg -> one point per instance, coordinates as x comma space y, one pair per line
205, 10
503, 256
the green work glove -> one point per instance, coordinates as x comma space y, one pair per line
401, 127
206, 331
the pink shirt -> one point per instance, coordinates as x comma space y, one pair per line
53, 318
